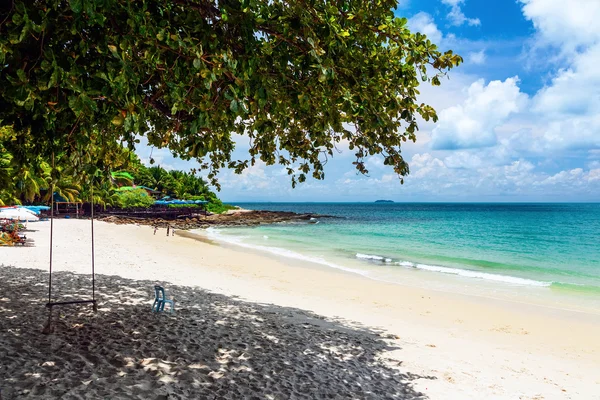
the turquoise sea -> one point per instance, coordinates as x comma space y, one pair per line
549, 251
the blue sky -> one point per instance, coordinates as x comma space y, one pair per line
519, 120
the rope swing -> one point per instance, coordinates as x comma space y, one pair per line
50, 304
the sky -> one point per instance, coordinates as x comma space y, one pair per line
518, 121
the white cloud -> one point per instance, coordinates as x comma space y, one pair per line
567, 24
457, 17
569, 106
473, 123
480, 179
563, 177
423, 23
252, 179
391, 177
594, 175
423, 165
477, 58
375, 162
574, 90
463, 159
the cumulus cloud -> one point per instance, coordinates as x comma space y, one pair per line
569, 106
423, 23
574, 90
457, 17
463, 160
594, 175
433, 176
569, 25
251, 179
472, 124
477, 58
375, 162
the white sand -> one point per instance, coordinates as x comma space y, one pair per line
448, 346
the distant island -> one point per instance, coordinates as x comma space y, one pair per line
383, 201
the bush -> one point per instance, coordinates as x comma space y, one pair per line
217, 207
134, 198
195, 198
183, 205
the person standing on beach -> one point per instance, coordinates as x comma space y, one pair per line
168, 227
155, 229
173, 232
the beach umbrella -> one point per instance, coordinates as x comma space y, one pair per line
36, 209
18, 214
29, 210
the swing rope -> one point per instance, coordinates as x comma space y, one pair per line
93, 253
48, 328
51, 231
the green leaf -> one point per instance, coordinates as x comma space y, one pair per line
233, 106
76, 6
118, 120
290, 79
21, 75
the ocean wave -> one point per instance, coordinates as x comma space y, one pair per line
476, 274
373, 257
238, 241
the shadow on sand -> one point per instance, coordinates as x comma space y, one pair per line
212, 347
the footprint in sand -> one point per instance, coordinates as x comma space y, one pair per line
448, 378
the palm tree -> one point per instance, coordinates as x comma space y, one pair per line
7, 189
105, 193
29, 182
157, 178
122, 178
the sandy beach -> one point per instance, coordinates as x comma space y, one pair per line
248, 325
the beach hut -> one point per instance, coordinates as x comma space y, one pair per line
66, 207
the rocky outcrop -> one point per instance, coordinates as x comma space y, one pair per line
231, 218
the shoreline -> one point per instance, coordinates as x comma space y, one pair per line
550, 296
528, 351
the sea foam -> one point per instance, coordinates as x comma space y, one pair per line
476, 274
238, 241
373, 257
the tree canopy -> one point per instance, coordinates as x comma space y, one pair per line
294, 77
32, 183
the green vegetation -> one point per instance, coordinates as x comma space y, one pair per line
183, 206
217, 207
31, 183
79, 78
134, 198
